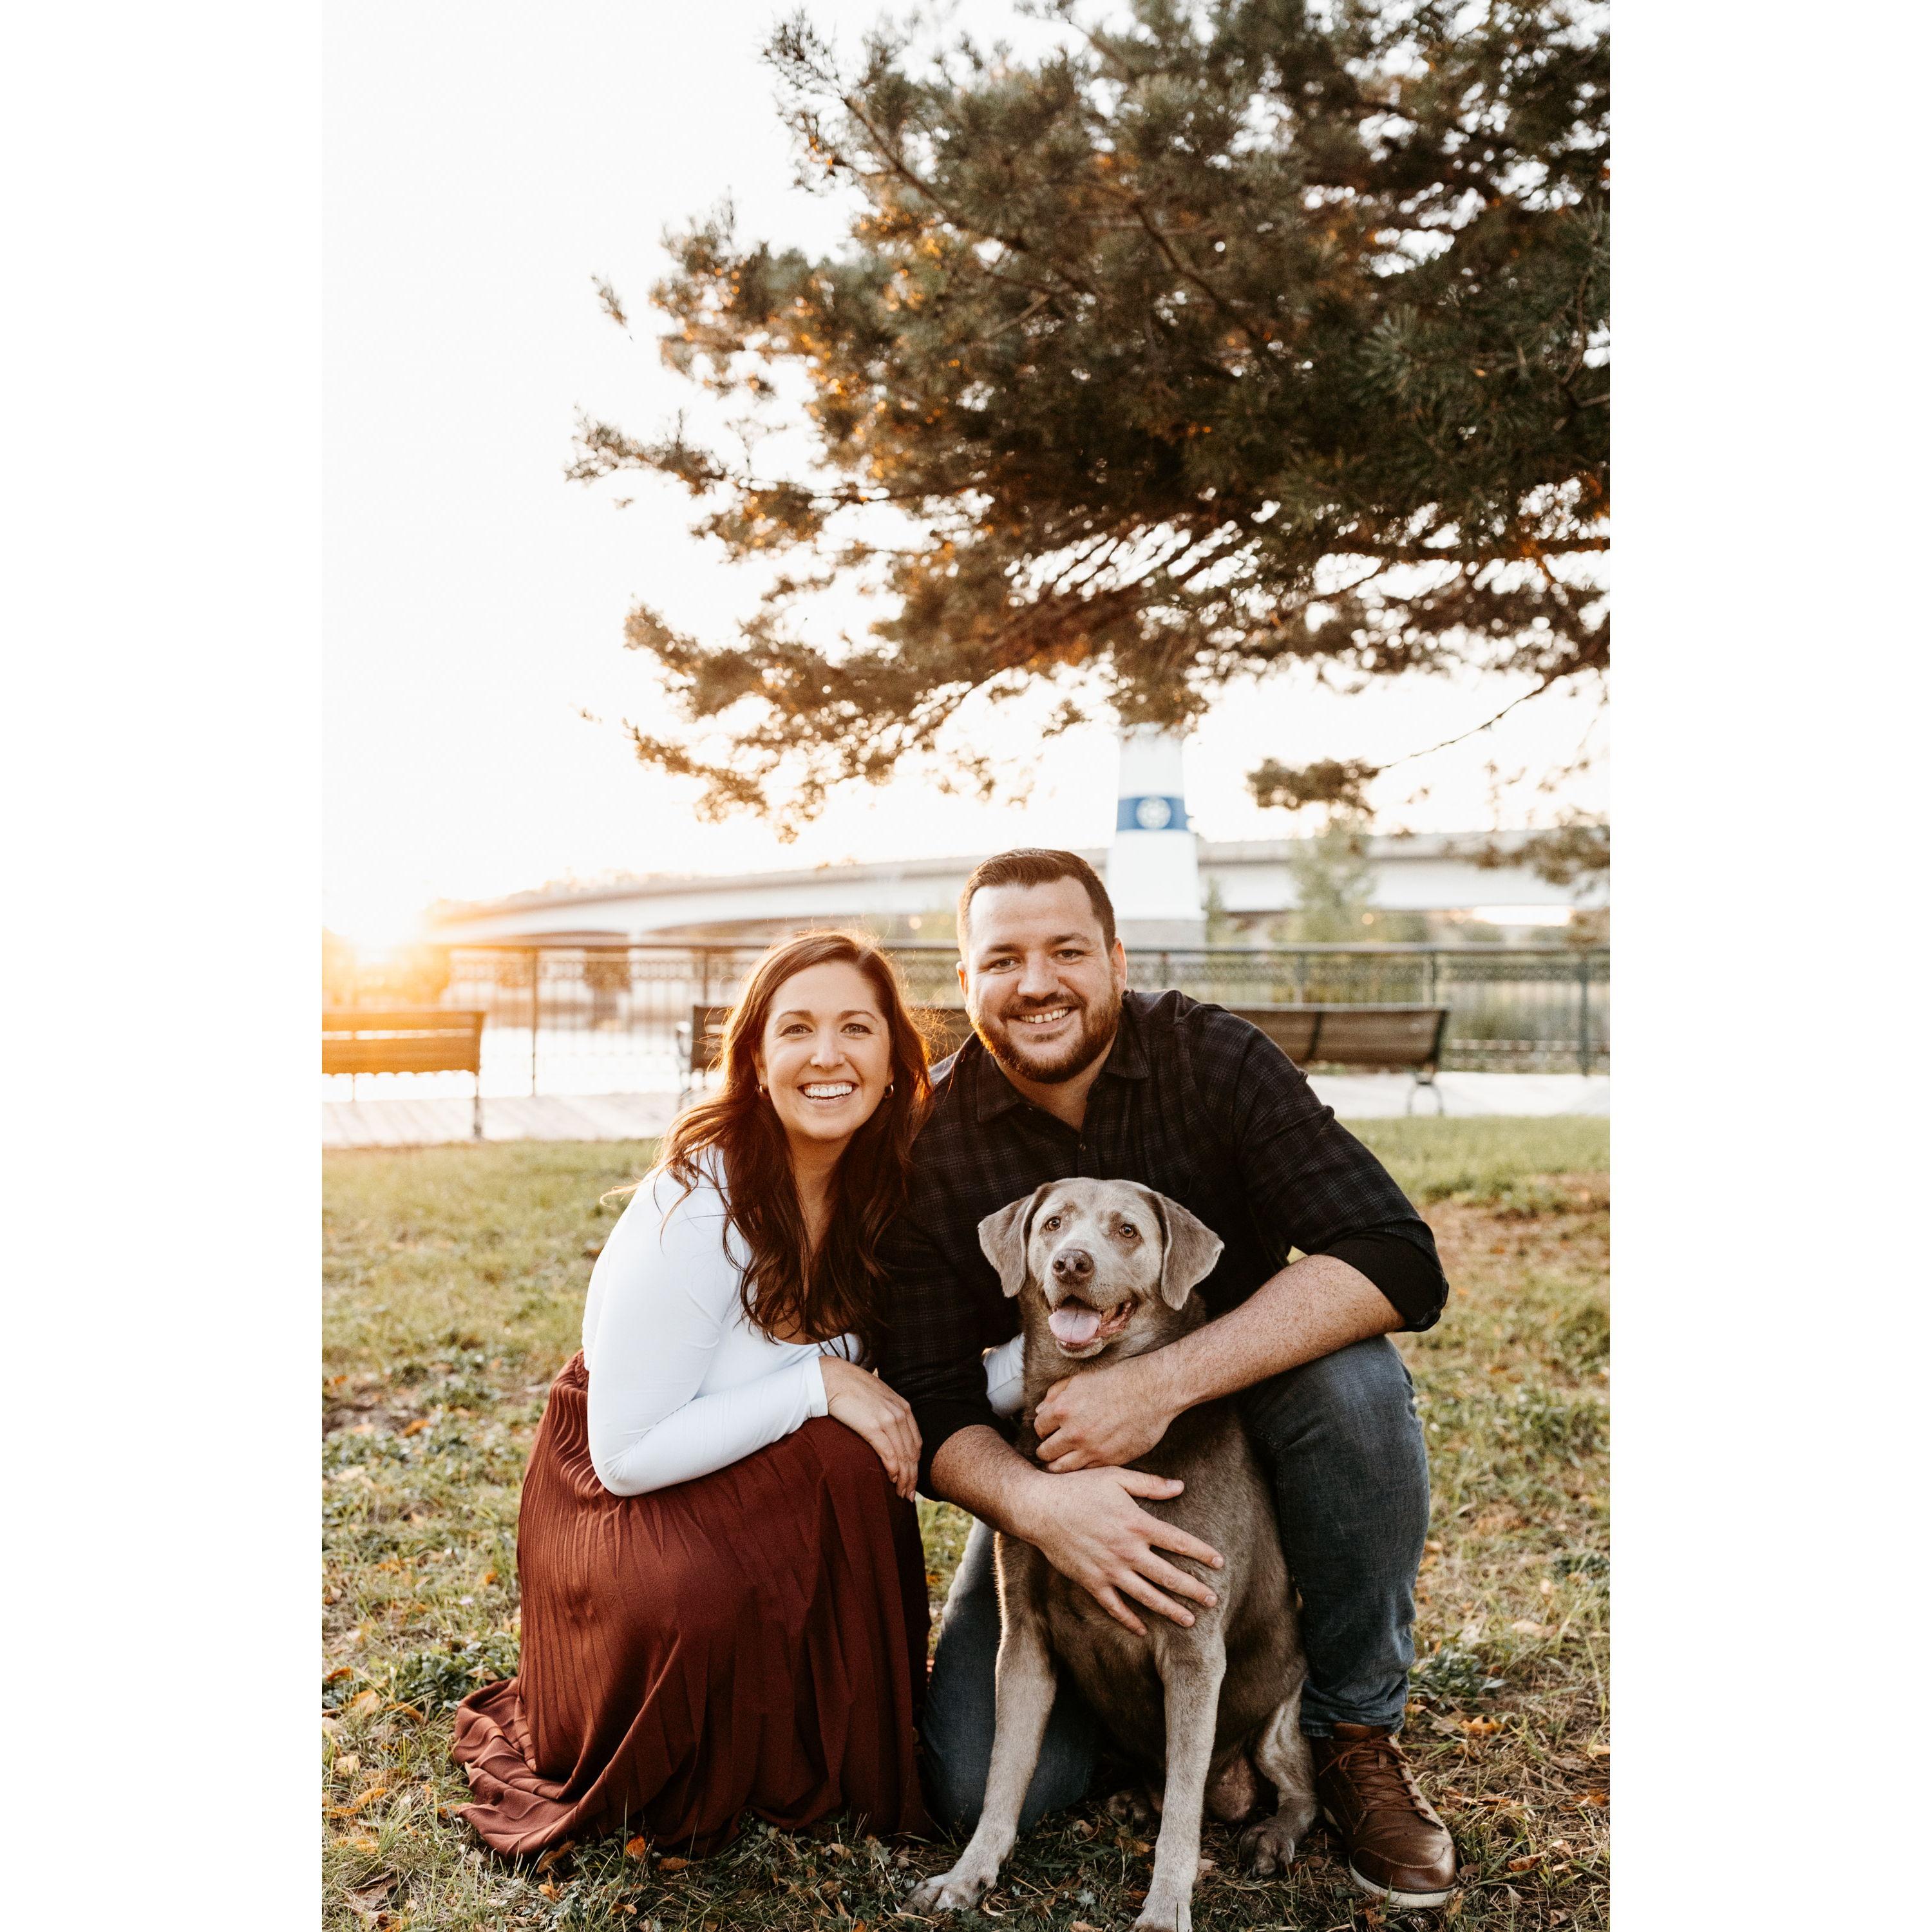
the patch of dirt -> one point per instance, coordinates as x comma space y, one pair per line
366, 1411
1465, 1230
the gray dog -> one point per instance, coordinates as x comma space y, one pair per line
1106, 1270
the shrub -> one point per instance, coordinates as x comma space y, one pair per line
439, 1680
1453, 1676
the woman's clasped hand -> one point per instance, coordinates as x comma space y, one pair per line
870, 1408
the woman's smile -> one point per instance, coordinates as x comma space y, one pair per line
823, 1091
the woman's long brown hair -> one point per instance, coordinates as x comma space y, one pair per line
787, 1289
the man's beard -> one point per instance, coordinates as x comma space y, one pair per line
1096, 1036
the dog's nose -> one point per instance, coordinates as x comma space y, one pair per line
1073, 1264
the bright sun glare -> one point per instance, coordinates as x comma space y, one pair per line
376, 923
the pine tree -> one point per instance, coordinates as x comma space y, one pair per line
1237, 334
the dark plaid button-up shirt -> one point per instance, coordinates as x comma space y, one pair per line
1192, 1101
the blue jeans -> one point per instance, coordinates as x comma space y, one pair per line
1340, 1443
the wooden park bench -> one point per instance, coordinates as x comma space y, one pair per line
405, 1039
1383, 1038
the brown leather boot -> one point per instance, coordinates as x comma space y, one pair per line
1398, 1848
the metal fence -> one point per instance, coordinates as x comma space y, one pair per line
610, 1019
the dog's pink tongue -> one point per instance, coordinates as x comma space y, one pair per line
1075, 1324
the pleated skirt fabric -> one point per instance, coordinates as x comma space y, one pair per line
754, 1640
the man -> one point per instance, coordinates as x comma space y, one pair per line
1070, 1074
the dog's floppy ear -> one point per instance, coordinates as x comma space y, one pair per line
1002, 1239
1192, 1248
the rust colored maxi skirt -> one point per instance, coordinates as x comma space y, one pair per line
754, 1639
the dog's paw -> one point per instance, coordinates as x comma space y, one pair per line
1134, 1806
1173, 1913
958, 1890
1268, 1848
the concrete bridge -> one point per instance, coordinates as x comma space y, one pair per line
1424, 873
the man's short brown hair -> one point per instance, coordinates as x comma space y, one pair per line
1034, 865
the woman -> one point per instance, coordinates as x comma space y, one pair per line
723, 1595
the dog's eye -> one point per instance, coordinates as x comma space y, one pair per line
1049, 1225
1129, 1231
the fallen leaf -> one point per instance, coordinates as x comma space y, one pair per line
1523, 1863
1593, 1799
637, 1848
366, 1846
408, 1711
416, 1427
1596, 1750
1482, 1727
336, 1675
555, 1856
489, 1577
1434, 1548
1080, 1925
345, 1762
1523, 1627
672, 1864
330, 1725
364, 1704
368, 1901
1547, 1587
548, 1890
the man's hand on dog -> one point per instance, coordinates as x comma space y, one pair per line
1090, 1527
1103, 1420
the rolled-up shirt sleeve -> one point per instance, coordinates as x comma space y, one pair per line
1314, 1186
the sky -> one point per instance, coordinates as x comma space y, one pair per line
484, 166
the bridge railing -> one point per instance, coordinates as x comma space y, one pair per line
608, 1019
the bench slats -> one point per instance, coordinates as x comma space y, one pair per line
408, 1039
1383, 1036
1364, 1035
1291, 1028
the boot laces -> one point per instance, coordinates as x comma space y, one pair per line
1380, 1775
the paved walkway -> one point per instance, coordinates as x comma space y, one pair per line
542, 1117
628, 1116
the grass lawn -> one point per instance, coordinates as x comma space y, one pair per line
454, 1287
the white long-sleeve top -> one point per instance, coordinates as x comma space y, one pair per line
680, 1383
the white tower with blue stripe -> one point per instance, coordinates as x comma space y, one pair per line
1154, 875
